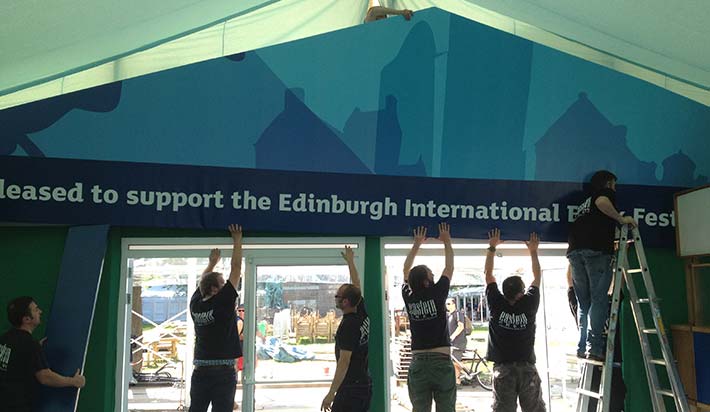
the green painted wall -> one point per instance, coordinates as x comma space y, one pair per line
31, 257
374, 296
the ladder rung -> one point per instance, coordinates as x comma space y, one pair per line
661, 362
643, 300
600, 363
589, 393
634, 271
666, 392
649, 331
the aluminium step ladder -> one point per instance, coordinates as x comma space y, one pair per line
645, 329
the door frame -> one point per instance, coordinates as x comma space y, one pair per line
255, 249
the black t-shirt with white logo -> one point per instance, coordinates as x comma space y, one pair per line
427, 315
215, 325
353, 335
511, 330
592, 229
20, 358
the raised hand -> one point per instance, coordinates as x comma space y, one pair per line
348, 254
215, 255
533, 243
444, 232
236, 232
419, 235
494, 238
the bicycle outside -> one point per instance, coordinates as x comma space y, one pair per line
478, 371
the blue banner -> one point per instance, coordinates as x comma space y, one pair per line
61, 191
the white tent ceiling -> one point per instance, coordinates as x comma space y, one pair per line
50, 48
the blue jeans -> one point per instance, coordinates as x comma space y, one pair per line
213, 384
591, 277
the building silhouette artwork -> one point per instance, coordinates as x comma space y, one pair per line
297, 139
20, 121
679, 170
582, 141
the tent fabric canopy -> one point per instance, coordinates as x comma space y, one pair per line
51, 48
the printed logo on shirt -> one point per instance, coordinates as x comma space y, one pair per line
513, 321
5, 352
203, 318
583, 209
365, 331
424, 310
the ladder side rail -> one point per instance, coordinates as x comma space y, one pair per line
656, 398
620, 264
681, 401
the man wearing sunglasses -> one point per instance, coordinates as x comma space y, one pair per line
351, 388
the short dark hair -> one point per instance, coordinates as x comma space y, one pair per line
418, 277
600, 179
17, 309
352, 293
512, 286
208, 281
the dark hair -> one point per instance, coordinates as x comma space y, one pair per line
351, 293
208, 281
418, 278
17, 309
512, 286
600, 179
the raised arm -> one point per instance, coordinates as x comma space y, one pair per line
532, 245
419, 238
445, 237
236, 272
605, 206
349, 257
493, 242
215, 255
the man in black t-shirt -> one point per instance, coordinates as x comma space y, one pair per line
591, 246
456, 321
431, 373
22, 362
511, 334
216, 341
351, 388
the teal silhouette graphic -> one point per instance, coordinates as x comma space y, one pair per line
487, 87
405, 126
389, 142
679, 170
297, 139
17, 122
581, 141
439, 95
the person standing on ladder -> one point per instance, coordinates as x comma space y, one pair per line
590, 254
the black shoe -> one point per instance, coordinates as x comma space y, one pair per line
598, 358
581, 355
